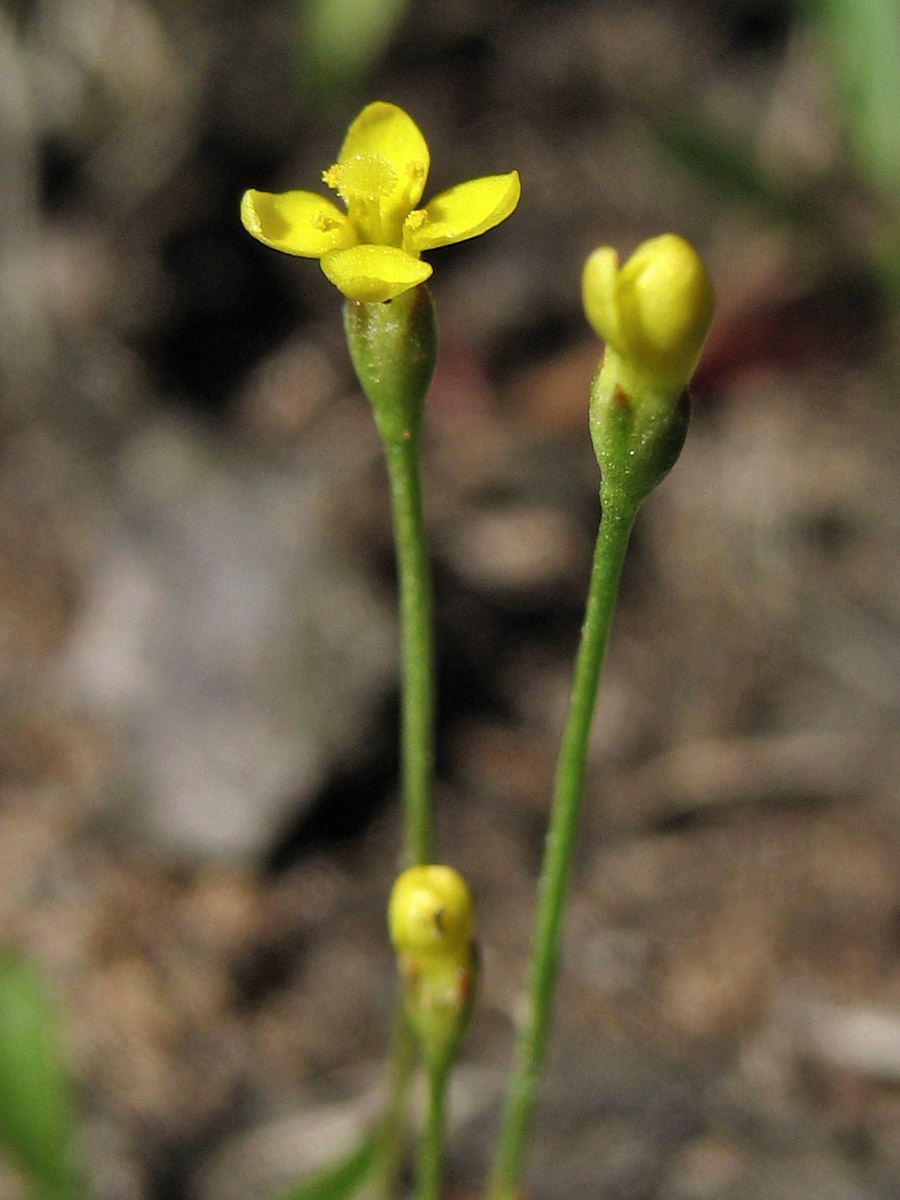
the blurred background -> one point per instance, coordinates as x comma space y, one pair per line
198, 694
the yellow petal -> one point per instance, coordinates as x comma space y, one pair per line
374, 273
296, 222
666, 297
383, 132
465, 211
599, 292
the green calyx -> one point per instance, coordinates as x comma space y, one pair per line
637, 435
393, 345
438, 1005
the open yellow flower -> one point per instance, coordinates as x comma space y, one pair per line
371, 251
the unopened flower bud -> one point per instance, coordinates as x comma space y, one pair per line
430, 920
653, 314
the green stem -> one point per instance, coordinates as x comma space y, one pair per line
609, 554
416, 754
431, 1148
416, 648
392, 1130
392, 347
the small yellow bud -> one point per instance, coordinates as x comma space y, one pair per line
654, 313
430, 922
430, 915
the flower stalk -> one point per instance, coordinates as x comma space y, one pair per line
417, 686
609, 555
654, 314
393, 348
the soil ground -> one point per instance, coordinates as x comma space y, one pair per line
179, 422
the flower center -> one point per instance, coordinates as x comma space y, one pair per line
363, 177
365, 183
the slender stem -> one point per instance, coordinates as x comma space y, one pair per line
416, 648
392, 347
416, 752
392, 1131
431, 1148
416, 758
609, 554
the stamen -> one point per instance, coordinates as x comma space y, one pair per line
363, 177
414, 220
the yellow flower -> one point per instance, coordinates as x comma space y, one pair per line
371, 251
653, 314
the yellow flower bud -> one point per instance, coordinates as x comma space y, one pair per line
653, 314
430, 915
430, 922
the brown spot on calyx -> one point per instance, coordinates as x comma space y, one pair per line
620, 397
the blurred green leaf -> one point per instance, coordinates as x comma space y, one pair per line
730, 165
864, 41
341, 40
340, 1179
37, 1117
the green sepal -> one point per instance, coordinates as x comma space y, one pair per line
393, 346
637, 437
439, 1005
